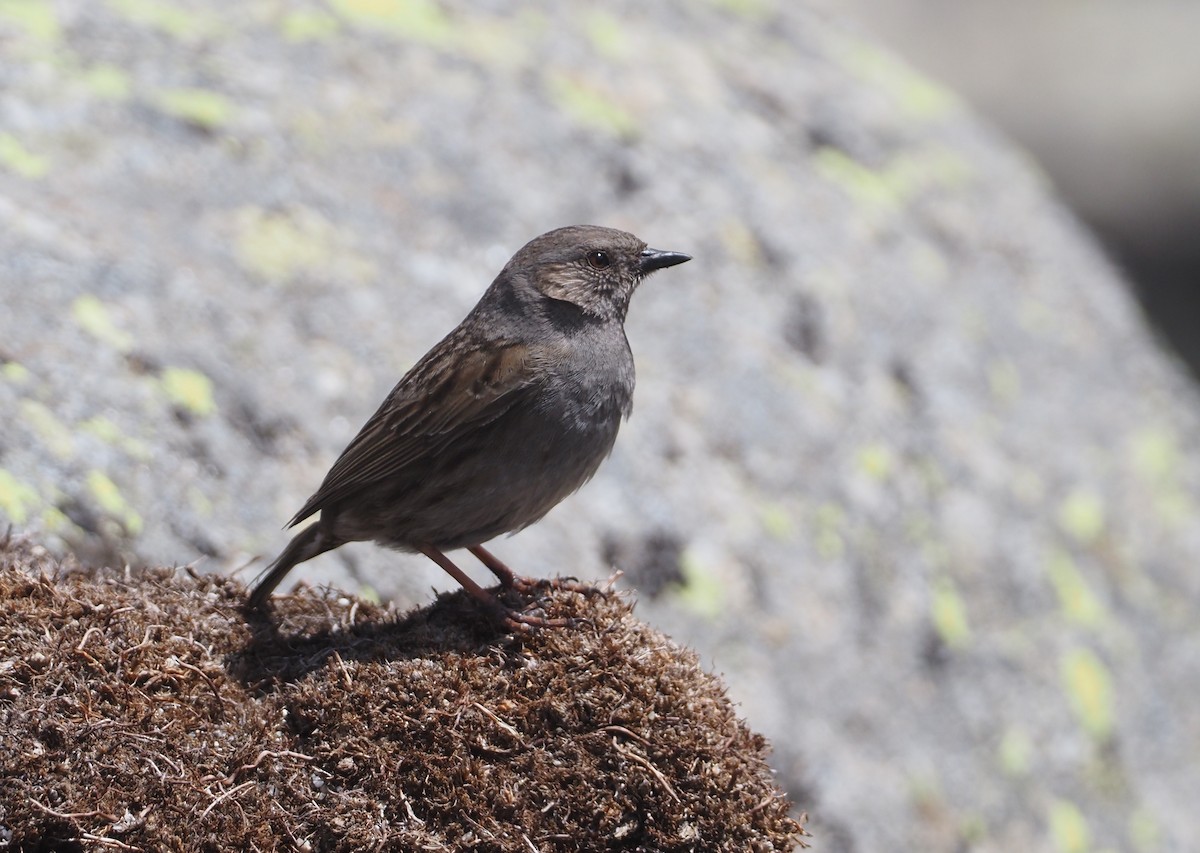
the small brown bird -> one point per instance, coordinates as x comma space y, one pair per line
511, 412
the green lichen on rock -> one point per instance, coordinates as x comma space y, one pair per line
282, 245
703, 592
1075, 595
202, 108
308, 25
1089, 689
590, 105
17, 157
17, 499
416, 20
55, 436
1081, 515
1069, 828
35, 18
167, 17
918, 96
949, 614
107, 81
108, 497
93, 316
190, 390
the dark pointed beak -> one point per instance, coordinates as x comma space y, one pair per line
656, 259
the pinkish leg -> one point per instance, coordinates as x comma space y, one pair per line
511, 580
514, 619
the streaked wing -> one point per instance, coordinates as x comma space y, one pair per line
448, 392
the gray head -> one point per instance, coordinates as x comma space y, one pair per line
593, 268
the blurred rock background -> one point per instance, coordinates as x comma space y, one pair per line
907, 464
1106, 96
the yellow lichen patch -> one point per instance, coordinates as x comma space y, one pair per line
918, 96
201, 108
308, 25
1079, 603
1015, 752
166, 17
35, 18
703, 592
590, 106
419, 20
778, 522
107, 81
16, 498
875, 460
750, 9
827, 535
53, 433
885, 190
1155, 452
1156, 458
189, 389
103, 428
109, 498
607, 34
949, 614
1089, 690
53, 520
16, 158
91, 315
867, 186
1069, 828
111, 434
369, 594
16, 373
279, 245
1082, 515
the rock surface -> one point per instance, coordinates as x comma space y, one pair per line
904, 461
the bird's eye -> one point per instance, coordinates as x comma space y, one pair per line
599, 260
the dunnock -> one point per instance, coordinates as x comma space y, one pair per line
514, 410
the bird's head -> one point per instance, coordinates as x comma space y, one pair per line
593, 268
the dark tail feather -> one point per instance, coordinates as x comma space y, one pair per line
305, 545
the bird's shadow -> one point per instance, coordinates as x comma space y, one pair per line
302, 634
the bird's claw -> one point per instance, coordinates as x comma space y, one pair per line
516, 620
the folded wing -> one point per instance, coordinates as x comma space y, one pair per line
455, 388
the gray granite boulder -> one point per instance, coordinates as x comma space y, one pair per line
905, 463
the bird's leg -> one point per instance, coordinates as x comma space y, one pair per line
514, 619
508, 578
511, 580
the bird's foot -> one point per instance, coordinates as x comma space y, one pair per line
519, 606
522, 622
529, 586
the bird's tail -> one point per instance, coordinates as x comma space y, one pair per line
305, 545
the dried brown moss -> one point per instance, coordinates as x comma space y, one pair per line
140, 711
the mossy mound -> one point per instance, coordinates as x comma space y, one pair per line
139, 710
